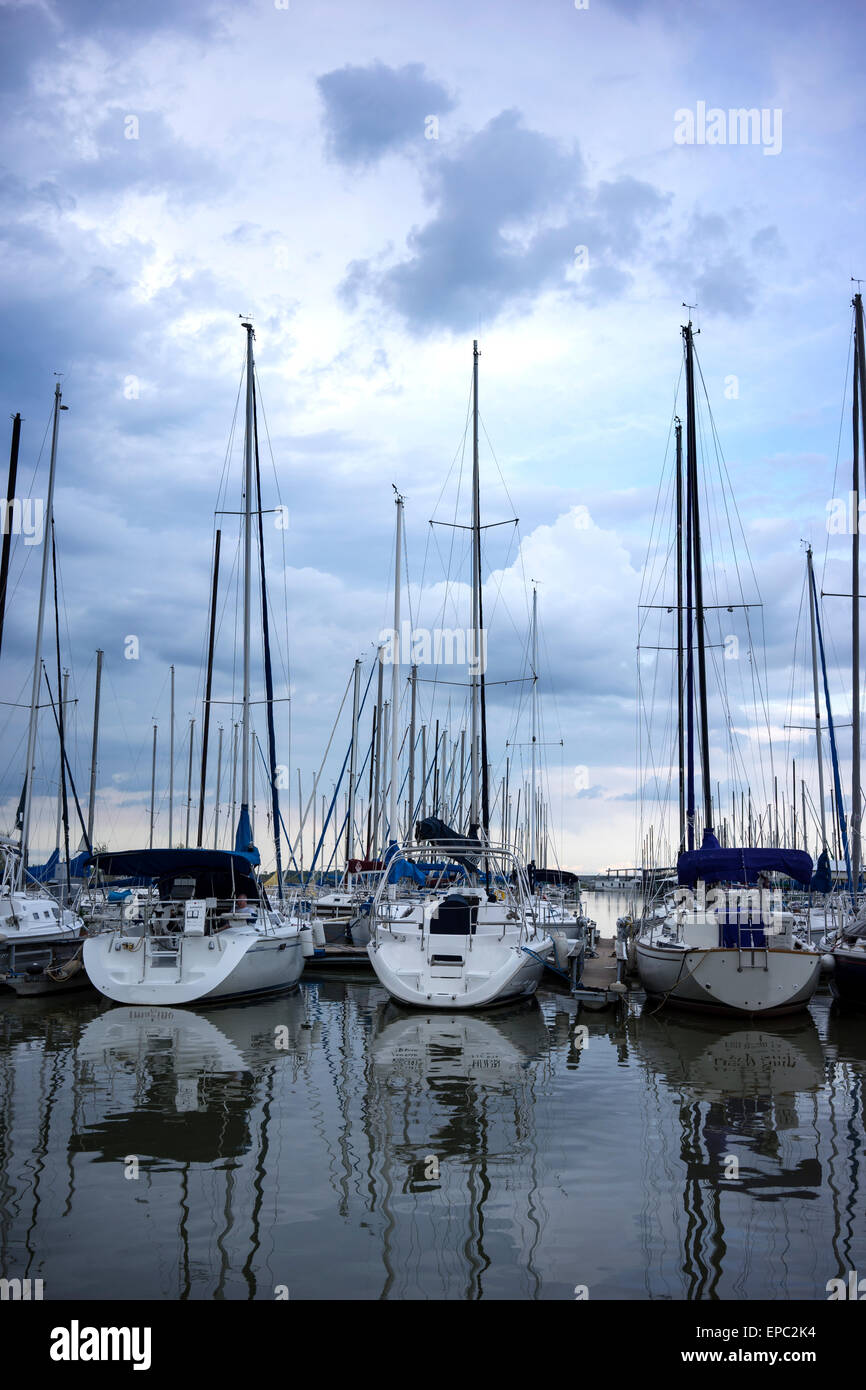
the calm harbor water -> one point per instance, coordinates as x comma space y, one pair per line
328, 1145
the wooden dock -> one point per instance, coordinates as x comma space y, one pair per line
598, 985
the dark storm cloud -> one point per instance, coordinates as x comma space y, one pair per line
372, 110
32, 32
490, 244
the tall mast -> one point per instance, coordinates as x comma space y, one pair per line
690, 677
152, 785
395, 675
269, 676
476, 595
91, 802
386, 712
818, 747
533, 812
353, 767
858, 420
216, 814
377, 794
208, 687
248, 574
692, 465
680, 691
61, 719
189, 780
7, 527
37, 658
61, 780
412, 718
171, 764
855, 622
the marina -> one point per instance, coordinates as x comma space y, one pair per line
431, 676
339, 1146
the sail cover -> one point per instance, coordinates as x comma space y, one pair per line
562, 877
823, 880
441, 836
716, 865
244, 838
217, 873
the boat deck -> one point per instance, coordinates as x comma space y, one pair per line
338, 955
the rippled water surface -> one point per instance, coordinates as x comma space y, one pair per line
330, 1145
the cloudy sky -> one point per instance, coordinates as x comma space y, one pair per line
377, 185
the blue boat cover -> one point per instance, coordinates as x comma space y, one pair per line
217, 872
244, 838
78, 864
823, 880
42, 873
400, 868
716, 865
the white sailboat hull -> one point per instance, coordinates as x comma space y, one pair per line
723, 979
237, 962
492, 972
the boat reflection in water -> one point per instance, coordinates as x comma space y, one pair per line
744, 1094
192, 1094
454, 1097
332, 1145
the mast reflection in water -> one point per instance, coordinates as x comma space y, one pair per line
332, 1145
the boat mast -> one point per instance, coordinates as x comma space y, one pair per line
208, 687
817, 700
171, 764
395, 675
692, 465
91, 802
533, 812
189, 781
61, 719
412, 720
269, 676
216, 814
152, 785
476, 587
248, 573
858, 420
353, 767
7, 526
37, 658
377, 793
680, 692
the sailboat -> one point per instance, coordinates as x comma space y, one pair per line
40, 939
723, 942
453, 924
211, 932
